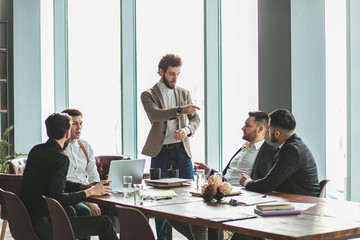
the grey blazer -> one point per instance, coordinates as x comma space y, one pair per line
153, 103
294, 171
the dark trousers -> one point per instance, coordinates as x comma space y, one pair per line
82, 210
176, 157
82, 226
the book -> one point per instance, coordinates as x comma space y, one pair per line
167, 182
277, 212
274, 206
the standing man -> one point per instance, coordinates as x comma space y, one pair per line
254, 158
82, 168
45, 175
295, 169
173, 120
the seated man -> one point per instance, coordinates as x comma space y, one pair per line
82, 168
45, 175
253, 158
294, 169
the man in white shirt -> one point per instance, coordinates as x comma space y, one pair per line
254, 158
82, 168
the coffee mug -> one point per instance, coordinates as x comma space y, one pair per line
155, 173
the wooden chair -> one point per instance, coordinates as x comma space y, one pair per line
19, 221
61, 226
133, 224
11, 183
322, 186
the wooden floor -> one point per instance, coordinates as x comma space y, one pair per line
176, 235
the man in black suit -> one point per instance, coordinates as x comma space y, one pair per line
45, 175
254, 158
294, 169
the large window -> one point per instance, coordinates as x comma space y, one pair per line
336, 122
47, 63
171, 26
94, 71
239, 70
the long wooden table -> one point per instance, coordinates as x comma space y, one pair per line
327, 219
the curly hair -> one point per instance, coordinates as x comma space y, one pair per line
169, 60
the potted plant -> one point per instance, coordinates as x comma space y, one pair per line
4, 155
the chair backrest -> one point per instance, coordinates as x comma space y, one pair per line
103, 164
61, 226
11, 183
322, 186
17, 166
19, 221
133, 224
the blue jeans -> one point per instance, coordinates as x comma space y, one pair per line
177, 158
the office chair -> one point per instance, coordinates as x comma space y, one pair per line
61, 226
322, 186
11, 183
133, 224
19, 221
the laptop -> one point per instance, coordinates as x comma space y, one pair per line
120, 168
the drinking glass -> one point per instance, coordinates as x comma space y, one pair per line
219, 174
127, 185
138, 194
200, 178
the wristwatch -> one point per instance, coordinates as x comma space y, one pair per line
178, 110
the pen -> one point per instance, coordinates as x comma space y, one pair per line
163, 198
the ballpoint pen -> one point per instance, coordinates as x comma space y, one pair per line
162, 198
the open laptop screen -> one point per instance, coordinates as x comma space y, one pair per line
120, 168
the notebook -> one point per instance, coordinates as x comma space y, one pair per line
120, 168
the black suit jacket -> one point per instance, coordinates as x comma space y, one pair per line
294, 171
45, 174
262, 164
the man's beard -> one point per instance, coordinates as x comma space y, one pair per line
249, 138
66, 143
166, 82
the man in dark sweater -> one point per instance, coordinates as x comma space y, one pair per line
45, 175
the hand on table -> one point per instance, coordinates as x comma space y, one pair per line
243, 178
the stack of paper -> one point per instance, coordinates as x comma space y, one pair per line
276, 209
167, 182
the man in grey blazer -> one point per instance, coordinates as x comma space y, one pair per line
173, 120
294, 170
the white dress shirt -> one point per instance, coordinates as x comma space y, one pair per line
79, 170
169, 102
243, 162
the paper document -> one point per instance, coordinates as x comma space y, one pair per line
160, 193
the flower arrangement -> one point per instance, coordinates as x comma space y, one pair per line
4, 156
215, 189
